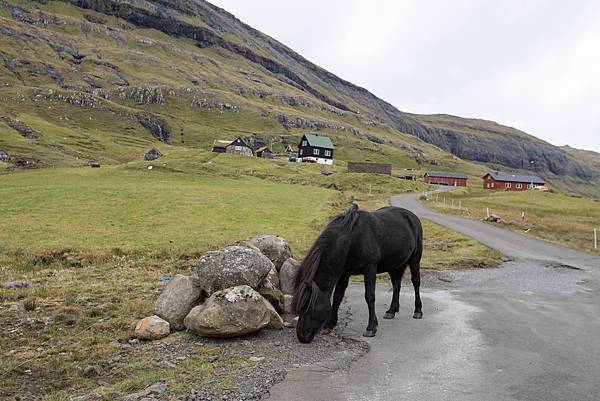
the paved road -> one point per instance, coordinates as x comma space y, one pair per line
529, 330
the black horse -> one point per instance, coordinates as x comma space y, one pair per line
354, 243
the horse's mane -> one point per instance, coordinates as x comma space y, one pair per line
340, 225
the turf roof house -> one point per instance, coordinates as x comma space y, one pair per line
239, 147
315, 149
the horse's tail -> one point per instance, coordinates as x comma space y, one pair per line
338, 228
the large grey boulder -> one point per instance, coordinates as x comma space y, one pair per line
287, 276
273, 247
177, 300
231, 267
232, 312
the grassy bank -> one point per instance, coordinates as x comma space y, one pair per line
555, 217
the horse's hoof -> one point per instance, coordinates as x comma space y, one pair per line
326, 331
418, 315
370, 333
389, 315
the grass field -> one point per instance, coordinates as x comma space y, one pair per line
555, 217
98, 210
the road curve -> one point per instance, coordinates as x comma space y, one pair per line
529, 330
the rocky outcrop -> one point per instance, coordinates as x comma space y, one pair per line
177, 300
22, 128
158, 129
229, 313
142, 95
230, 267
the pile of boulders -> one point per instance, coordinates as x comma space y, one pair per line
235, 291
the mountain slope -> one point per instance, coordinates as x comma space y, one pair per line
100, 79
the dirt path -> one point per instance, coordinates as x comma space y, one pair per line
526, 331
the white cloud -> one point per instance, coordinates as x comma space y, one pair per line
533, 65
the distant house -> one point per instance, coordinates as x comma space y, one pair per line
239, 147
220, 146
315, 149
450, 179
264, 152
511, 182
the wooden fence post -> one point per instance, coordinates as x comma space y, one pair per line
488, 212
595, 239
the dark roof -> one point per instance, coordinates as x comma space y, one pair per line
445, 175
319, 141
239, 138
516, 178
264, 149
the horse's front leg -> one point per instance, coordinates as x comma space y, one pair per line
370, 280
338, 296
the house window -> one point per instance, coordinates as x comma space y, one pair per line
508, 185
238, 148
530, 186
304, 143
519, 186
492, 185
328, 153
316, 152
301, 151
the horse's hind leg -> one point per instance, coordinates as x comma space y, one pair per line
370, 282
415, 276
338, 295
396, 276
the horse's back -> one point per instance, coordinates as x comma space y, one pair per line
395, 232
399, 217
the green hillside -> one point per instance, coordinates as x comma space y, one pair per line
103, 80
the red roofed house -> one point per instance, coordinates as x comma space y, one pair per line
451, 179
511, 182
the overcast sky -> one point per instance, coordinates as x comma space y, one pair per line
533, 65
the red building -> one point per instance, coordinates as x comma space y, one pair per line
451, 179
511, 182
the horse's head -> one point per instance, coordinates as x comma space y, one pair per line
314, 308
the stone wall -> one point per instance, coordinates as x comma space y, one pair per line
373, 168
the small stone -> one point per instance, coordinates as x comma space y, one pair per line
257, 358
14, 308
152, 328
90, 370
134, 341
212, 358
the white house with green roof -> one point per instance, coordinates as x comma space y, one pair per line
315, 149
